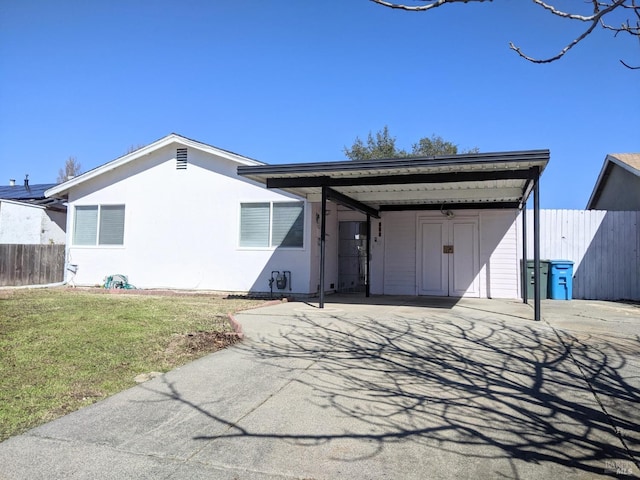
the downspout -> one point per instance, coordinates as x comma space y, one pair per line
46, 285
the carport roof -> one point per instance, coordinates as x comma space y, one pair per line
478, 180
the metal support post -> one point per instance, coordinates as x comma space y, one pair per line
536, 244
323, 235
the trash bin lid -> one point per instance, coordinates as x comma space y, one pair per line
561, 262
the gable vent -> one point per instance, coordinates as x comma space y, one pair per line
181, 159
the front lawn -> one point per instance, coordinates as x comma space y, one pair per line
62, 349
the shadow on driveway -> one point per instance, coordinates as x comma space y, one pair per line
491, 391
400, 389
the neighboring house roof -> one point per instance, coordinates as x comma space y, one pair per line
476, 180
627, 161
33, 195
25, 193
173, 138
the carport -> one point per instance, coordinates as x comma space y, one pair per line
502, 180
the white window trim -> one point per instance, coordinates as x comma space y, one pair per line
97, 244
272, 248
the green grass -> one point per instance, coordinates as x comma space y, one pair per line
63, 349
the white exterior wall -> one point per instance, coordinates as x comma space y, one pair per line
53, 227
396, 270
182, 227
331, 248
399, 243
499, 264
21, 223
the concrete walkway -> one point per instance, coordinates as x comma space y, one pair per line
391, 388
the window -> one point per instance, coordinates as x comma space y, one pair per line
287, 224
99, 225
277, 224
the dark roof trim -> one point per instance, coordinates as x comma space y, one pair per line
449, 177
528, 188
394, 163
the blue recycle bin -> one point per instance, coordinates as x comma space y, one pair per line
560, 279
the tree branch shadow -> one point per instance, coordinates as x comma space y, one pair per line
484, 389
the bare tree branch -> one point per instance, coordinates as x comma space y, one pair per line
422, 8
594, 20
561, 53
600, 10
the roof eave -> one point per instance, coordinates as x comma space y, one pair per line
540, 157
305, 179
622, 164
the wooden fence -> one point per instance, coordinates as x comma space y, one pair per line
604, 246
31, 264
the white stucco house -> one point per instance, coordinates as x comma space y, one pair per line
183, 214
168, 215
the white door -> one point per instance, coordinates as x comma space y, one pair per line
448, 258
435, 265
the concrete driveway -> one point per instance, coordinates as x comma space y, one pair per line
392, 388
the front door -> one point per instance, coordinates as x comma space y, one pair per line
448, 257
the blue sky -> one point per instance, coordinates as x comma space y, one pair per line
298, 80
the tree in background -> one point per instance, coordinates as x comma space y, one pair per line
383, 145
132, 148
592, 13
435, 145
72, 168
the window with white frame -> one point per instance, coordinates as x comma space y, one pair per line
272, 224
98, 225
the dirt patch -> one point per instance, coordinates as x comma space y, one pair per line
200, 342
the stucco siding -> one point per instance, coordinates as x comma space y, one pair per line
22, 223
19, 223
53, 227
331, 247
182, 227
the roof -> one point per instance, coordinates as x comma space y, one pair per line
627, 161
32, 195
20, 192
173, 138
477, 180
